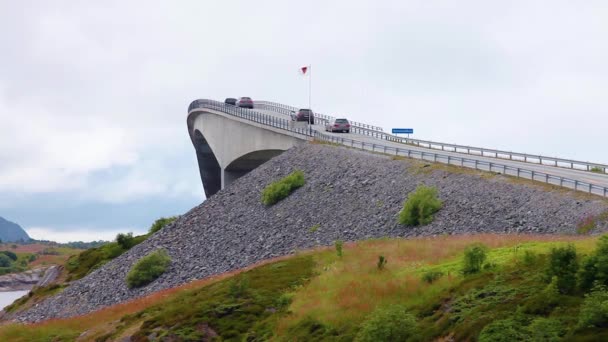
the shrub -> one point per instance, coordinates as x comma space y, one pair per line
389, 323
339, 244
148, 268
594, 310
597, 169
505, 330
595, 267
530, 258
546, 330
5, 261
314, 228
381, 262
10, 254
125, 240
161, 223
280, 189
420, 206
431, 276
563, 264
474, 257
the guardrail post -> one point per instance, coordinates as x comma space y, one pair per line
605, 191
532, 175
490, 167
448, 160
561, 181
476, 161
590, 187
518, 172
546, 178
575, 185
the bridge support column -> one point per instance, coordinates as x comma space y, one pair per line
230, 176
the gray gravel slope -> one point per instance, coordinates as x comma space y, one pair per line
351, 194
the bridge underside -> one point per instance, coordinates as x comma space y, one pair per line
245, 164
227, 149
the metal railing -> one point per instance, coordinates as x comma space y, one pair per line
470, 163
251, 115
377, 132
286, 109
308, 133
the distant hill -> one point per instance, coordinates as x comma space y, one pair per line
12, 232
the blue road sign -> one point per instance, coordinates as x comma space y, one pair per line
403, 131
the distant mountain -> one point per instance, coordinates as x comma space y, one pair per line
12, 232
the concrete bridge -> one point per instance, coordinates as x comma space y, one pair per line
231, 141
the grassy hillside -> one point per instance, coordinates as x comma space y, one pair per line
317, 295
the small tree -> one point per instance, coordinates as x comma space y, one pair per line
594, 311
389, 323
381, 262
339, 244
474, 257
563, 264
420, 206
5, 261
125, 241
161, 223
595, 267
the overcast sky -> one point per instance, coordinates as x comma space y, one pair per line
93, 95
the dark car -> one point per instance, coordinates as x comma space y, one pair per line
305, 115
338, 125
230, 101
245, 102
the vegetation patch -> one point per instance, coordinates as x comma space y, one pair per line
148, 268
162, 222
420, 206
597, 169
282, 188
321, 296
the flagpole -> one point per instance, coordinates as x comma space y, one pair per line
309, 90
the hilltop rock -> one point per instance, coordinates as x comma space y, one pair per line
350, 194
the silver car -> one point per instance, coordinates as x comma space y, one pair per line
338, 125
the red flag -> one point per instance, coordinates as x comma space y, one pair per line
303, 70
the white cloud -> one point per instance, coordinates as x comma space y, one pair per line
90, 89
77, 234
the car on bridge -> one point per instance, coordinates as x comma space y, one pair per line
304, 114
245, 102
338, 125
230, 101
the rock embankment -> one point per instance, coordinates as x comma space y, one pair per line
350, 195
28, 279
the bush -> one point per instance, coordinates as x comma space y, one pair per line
381, 262
161, 223
586, 225
280, 189
431, 276
563, 264
125, 240
594, 311
5, 261
530, 258
390, 323
595, 267
339, 245
10, 254
546, 330
238, 287
420, 206
474, 257
148, 268
505, 330
597, 169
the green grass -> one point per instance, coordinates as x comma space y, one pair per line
420, 206
320, 296
282, 188
597, 169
